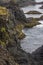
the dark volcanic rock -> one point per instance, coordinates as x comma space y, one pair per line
38, 55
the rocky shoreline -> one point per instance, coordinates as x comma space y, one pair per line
9, 41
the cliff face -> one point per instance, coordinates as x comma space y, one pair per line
10, 32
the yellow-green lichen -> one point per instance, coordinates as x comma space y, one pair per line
19, 31
3, 11
2, 43
3, 29
21, 35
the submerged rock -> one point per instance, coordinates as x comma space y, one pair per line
33, 12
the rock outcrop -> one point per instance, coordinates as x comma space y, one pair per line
38, 55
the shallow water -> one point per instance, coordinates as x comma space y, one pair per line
33, 39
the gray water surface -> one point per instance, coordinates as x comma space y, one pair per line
34, 36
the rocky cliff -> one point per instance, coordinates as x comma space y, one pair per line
12, 22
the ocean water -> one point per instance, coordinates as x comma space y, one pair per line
33, 39
34, 36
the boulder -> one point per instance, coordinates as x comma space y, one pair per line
38, 55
